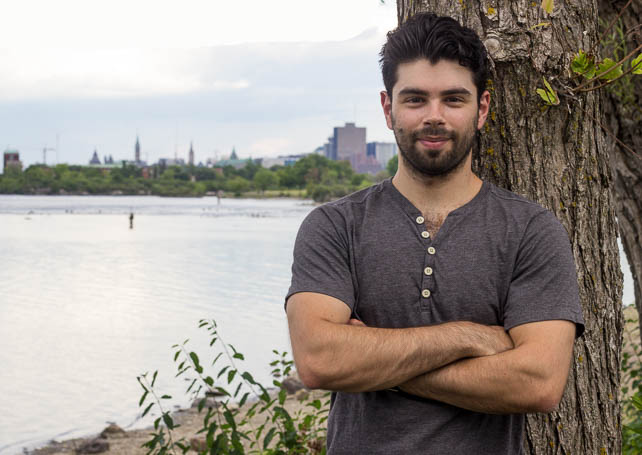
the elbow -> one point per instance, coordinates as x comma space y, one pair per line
547, 397
312, 373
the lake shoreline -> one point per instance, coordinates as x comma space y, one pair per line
130, 442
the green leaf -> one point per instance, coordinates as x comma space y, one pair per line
141, 382
191, 385
209, 381
248, 377
168, 421
166, 397
142, 399
584, 65
637, 64
268, 438
201, 404
549, 96
194, 358
239, 356
176, 355
547, 5
154, 377
147, 409
607, 64
216, 358
230, 376
238, 388
222, 372
244, 399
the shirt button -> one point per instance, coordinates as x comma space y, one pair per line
425, 293
425, 234
431, 250
428, 270
420, 220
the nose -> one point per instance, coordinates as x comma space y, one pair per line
433, 114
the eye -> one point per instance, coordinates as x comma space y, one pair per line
414, 100
454, 100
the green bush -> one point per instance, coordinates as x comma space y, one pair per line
228, 429
631, 389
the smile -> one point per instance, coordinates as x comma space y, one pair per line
433, 143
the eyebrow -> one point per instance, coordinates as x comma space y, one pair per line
451, 91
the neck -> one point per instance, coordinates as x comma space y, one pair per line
438, 194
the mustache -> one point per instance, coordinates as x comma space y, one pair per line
433, 131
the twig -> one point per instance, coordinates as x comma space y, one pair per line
609, 82
610, 133
584, 84
608, 29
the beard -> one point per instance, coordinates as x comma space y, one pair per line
433, 163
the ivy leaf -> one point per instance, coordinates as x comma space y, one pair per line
637, 64
548, 95
607, 64
547, 5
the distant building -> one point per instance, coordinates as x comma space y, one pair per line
191, 154
349, 143
382, 151
94, 159
281, 161
164, 162
365, 164
11, 159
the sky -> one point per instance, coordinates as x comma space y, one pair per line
268, 78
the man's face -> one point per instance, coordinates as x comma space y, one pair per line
434, 114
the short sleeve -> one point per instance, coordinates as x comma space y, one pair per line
322, 257
544, 282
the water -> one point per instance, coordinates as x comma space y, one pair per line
87, 304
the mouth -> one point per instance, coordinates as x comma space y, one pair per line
433, 142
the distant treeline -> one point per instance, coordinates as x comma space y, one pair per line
313, 176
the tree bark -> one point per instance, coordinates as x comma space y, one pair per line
556, 156
623, 111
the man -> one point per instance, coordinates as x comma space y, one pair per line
438, 308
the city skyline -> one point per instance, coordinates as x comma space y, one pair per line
265, 92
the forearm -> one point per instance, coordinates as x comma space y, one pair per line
355, 359
504, 383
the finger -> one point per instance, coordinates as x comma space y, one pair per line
356, 322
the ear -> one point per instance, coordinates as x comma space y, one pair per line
484, 107
386, 104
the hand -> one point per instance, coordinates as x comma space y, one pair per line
492, 340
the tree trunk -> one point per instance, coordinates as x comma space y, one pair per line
623, 111
557, 157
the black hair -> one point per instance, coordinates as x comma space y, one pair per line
434, 38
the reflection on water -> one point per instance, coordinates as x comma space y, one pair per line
87, 304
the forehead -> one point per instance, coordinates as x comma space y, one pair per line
433, 77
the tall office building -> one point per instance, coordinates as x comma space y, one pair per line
382, 151
349, 142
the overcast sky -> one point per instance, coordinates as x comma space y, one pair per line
266, 77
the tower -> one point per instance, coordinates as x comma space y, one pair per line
137, 150
191, 154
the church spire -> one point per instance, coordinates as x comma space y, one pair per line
137, 148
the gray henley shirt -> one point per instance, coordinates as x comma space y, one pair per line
498, 260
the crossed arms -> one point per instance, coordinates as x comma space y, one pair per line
472, 366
